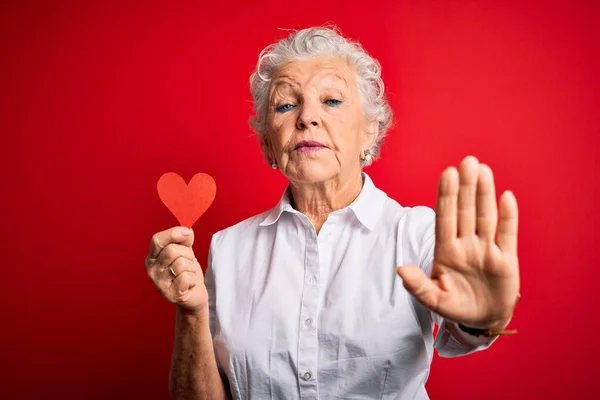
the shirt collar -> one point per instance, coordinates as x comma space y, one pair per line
283, 205
367, 207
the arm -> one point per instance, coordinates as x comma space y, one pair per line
472, 278
194, 373
450, 340
173, 268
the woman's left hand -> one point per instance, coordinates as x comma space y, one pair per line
475, 275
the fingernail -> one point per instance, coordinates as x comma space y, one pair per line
185, 231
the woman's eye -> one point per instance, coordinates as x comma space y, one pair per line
333, 102
284, 107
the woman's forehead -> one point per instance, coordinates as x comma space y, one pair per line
328, 71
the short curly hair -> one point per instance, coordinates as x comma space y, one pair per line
314, 42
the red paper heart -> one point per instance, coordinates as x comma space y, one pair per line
187, 202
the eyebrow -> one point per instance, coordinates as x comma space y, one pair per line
341, 78
289, 81
277, 87
285, 81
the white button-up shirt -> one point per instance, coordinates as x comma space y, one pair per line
296, 315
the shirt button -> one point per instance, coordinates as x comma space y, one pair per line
308, 322
307, 375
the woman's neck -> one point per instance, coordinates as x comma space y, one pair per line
318, 200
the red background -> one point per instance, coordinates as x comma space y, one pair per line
98, 100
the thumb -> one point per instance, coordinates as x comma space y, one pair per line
425, 290
187, 236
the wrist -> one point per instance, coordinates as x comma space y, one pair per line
491, 331
192, 314
495, 329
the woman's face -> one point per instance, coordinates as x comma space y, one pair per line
315, 122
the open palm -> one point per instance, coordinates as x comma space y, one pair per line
475, 275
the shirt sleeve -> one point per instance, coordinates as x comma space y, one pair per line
445, 343
210, 283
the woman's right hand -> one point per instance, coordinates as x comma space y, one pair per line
175, 271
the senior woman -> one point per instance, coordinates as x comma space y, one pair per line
334, 292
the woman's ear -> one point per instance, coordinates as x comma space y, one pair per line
265, 146
372, 134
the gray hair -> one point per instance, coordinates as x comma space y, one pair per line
322, 41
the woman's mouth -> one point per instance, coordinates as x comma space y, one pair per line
308, 146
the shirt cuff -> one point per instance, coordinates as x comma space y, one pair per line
448, 346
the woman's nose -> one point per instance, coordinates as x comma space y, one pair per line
309, 116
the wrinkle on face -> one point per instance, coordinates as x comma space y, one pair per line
287, 82
307, 87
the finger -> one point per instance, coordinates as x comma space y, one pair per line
487, 209
163, 278
445, 225
178, 234
466, 196
508, 224
182, 285
172, 252
425, 290
179, 266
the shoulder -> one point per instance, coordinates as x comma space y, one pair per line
234, 237
410, 218
381, 212
412, 228
413, 231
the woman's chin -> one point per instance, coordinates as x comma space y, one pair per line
311, 173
